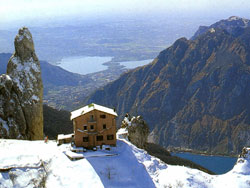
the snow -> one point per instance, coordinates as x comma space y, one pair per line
35, 98
64, 136
232, 18
24, 70
127, 121
121, 170
62, 172
122, 131
123, 166
91, 107
7, 76
73, 155
25, 33
212, 30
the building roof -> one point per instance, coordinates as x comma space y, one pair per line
91, 107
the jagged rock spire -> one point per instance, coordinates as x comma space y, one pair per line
24, 46
25, 73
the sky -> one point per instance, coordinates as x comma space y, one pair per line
12, 11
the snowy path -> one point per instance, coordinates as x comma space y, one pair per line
123, 170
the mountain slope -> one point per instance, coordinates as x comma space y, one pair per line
56, 122
194, 95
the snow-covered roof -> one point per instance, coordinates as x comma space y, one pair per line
91, 107
63, 136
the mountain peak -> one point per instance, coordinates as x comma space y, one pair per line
24, 46
231, 25
231, 18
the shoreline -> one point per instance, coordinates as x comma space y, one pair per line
196, 152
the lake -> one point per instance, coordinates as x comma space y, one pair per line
90, 64
217, 164
134, 64
84, 64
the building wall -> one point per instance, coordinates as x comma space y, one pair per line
97, 122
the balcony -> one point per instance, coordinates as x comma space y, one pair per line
91, 121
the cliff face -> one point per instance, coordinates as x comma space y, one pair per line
195, 94
21, 113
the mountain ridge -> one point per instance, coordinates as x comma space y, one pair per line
194, 95
232, 25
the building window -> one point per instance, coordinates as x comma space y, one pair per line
104, 126
85, 139
85, 127
103, 116
91, 117
99, 138
110, 137
91, 127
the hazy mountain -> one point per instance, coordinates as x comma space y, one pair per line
194, 95
234, 25
124, 38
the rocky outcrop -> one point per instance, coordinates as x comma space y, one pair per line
21, 92
138, 130
195, 95
242, 165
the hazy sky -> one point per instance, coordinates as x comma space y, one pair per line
27, 10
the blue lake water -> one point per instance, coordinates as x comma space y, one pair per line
217, 164
90, 64
134, 64
84, 64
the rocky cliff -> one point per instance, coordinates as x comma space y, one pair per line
21, 93
194, 95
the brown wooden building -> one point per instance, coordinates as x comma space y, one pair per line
94, 125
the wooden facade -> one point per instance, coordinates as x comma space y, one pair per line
94, 126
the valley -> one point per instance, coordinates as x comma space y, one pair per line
133, 93
123, 38
174, 93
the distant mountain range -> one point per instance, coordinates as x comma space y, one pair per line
195, 94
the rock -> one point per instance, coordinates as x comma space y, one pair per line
22, 92
11, 114
138, 130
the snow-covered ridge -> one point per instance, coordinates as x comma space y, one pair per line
130, 167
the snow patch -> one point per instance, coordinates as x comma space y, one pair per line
35, 98
212, 30
24, 33
232, 18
